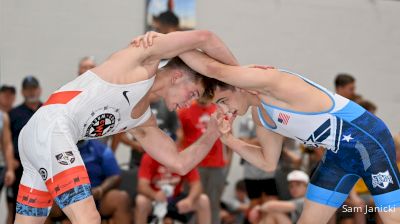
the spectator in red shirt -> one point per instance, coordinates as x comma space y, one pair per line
213, 169
158, 184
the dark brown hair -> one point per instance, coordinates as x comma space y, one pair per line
240, 186
6, 88
211, 85
177, 63
343, 79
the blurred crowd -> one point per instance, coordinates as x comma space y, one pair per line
144, 191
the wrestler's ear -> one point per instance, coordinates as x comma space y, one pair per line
176, 76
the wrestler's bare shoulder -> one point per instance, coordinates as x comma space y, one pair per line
126, 66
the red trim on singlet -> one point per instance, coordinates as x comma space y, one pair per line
67, 180
61, 97
34, 198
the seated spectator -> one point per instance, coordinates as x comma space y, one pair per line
157, 184
235, 210
104, 175
276, 211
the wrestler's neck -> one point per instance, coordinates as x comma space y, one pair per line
251, 97
160, 86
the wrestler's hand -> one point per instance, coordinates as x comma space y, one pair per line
213, 124
145, 40
9, 177
225, 121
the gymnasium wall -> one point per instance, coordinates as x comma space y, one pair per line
313, 37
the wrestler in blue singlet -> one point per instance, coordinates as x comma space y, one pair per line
359, 145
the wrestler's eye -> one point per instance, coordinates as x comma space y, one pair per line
224, 101
221, 101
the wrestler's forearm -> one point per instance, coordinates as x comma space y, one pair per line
195, 153
163, 149
252, 153
213, 49
217, 49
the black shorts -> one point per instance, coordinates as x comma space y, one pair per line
255, 188
173, 210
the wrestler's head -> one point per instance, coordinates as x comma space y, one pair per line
184, 84
231, 100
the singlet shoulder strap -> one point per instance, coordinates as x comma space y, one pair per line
323, 89
269, 112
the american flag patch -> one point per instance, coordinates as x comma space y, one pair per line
283, 118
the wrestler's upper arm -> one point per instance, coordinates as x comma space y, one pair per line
245, 77
140, 131
175, 43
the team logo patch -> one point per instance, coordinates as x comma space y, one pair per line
382, 180
65, 158
102, 122
101, 125
43, 173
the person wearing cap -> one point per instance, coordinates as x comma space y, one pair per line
276, 211
19, 116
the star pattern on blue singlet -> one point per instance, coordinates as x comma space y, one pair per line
347, 138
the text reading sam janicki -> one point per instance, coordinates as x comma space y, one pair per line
369, 209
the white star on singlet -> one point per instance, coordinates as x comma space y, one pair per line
347, 138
